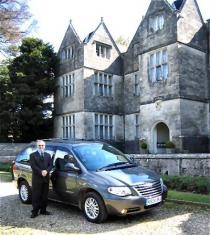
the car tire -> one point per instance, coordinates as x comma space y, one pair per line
25, 192
94, 208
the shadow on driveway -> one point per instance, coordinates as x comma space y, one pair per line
168, 219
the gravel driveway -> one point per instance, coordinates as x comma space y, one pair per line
169, 219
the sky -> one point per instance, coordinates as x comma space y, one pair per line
122, 17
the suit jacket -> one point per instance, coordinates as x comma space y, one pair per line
38, 165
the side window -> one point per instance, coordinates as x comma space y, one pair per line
62, 157
51, 150
23, 157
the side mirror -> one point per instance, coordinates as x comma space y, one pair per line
71, 167
131, 158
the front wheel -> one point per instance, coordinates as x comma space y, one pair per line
25, 192
94, 208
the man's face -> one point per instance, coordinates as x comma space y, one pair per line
41, 146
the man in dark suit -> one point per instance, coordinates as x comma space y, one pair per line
41, 164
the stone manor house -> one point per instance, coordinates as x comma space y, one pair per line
158, 90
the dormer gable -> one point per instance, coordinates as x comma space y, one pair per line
100, 46
101, 35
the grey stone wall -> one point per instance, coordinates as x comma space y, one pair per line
191, 29
193, 74
75, 103
154, 113
176, 164
170, 164
152, 91
131, 101
104, 104
11, 149
194, 118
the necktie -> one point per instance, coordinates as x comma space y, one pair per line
42, 156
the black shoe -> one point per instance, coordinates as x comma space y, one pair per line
45, 213
33, 215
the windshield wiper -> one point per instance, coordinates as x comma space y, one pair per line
114, 165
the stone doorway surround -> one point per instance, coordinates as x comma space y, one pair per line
160, 135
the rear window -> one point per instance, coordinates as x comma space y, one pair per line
24, 155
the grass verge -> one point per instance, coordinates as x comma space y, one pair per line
5, 176
189, 197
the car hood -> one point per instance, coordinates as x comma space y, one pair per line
126, 176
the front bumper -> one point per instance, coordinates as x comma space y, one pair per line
128, 205
131, 204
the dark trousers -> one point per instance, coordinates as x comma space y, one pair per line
40, 190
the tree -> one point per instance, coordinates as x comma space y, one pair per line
122, 41
5, 96
13, 15
32, 81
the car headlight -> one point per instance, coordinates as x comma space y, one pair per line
119, 191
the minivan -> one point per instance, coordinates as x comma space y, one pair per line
94, 176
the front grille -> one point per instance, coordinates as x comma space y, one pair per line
149, 189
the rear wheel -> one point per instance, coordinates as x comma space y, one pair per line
24, 192
94, 208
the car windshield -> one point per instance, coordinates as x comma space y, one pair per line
98, 156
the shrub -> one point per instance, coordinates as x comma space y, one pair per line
144, 145
196, 184
5, 167
170, 145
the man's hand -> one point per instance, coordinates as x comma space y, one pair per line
44, 173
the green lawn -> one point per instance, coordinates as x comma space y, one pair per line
186, 196
5, 176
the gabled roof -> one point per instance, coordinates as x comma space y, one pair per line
70, 28
91, 34
88, 37
196, 4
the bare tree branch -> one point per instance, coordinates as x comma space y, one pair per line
13, 15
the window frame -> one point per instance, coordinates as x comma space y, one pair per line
66, 151
67, 53
102, 84
103, 50
156, 23
68, 126
103, 126
67, 87
136, 85
137, 126
157, 64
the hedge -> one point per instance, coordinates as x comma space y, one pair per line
196, 184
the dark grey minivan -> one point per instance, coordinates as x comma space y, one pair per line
94, 176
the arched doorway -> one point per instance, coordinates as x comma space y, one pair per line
160, 137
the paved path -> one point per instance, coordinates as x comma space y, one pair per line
170, 219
